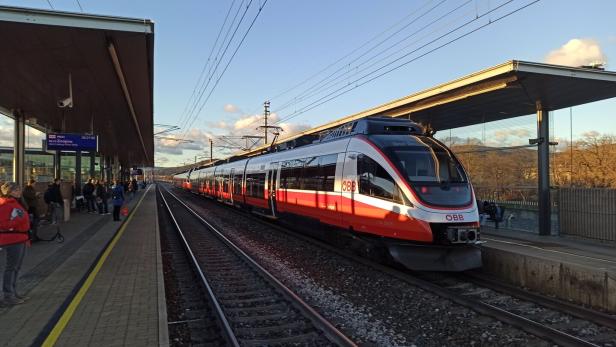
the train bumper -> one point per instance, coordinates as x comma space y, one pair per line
436, 258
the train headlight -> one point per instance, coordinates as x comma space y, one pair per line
461, 235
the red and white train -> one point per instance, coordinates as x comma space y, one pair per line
382, 179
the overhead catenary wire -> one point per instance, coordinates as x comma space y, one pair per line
375, 37
325, 82
195, 114
220, 53
201, 75
368, 77
346, 55
50, 5
337, 80
219, 56
228, 62
340, 91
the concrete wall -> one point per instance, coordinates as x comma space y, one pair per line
595, 287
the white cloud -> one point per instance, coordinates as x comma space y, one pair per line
160, 160
249, 121
591, 134
509, 137
171, 145
230, 108
233, 127
577, 52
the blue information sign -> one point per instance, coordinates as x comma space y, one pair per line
72, 142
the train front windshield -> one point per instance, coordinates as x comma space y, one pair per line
433, 172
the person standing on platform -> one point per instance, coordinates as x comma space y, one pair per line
126, 187
135, 185
30, 196
88, 194
105, 196
58, 200
14, 227
99, 194
117, 198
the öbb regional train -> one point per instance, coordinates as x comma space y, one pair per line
384, 180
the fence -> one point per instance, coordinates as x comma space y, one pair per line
588, 213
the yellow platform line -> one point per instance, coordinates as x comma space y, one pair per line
57, 330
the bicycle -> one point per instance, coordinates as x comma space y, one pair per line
45, 224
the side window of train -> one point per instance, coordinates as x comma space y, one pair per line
375, 181
291, 173
255, 185
310, 174
237, 184
225, 181
327, 172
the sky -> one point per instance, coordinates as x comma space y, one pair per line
292, 41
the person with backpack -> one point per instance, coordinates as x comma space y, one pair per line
14, 227
117, 199
31, 196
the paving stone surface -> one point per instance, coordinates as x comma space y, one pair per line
126, 286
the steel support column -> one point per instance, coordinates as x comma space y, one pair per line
104, 168
78, 173
57, 167
19, 149
543, 168
107, 160
92, 161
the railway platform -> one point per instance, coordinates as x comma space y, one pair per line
103, 286
576, 270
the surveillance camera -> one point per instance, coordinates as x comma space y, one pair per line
68, 102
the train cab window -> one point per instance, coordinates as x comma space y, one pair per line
433, 172
375, 181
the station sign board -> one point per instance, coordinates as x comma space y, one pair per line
72, 142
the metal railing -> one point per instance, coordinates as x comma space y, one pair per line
588, 213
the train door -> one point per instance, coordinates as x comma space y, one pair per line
272, 186
231, 185
348, 188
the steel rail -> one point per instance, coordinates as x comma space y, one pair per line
219, 313
525, 324
335, 335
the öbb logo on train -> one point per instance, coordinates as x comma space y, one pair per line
454, 217
348, 186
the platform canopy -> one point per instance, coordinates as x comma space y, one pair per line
512, 89
110, 62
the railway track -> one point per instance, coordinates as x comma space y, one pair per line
190, 315
557, 322
254, 308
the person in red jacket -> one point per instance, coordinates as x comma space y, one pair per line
14, 226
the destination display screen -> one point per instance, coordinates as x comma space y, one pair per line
72, 142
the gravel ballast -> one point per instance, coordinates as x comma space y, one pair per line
371, 307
